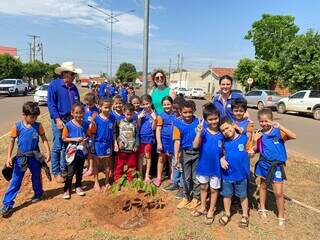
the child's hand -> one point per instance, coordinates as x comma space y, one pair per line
141, 114
276, 125
116, 148
251, 153
153, 115
48, 157
159, 147
224, 163
200, 126
84, 141
257, 136
238, 129
9, 162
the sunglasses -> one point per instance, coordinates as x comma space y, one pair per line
160, 77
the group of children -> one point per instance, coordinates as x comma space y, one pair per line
210, 155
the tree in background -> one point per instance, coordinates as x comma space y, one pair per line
10, 67
126, 72
34, 72
300, 62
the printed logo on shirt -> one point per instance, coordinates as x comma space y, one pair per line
276, 140
220, 144
35, 135
150, 120
241, 147
229, 105
108, 151
75, 97
278, 174
110, 125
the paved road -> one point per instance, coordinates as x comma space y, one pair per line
306, 128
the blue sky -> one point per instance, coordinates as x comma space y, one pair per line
207, 32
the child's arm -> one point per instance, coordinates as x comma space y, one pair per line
116, 147
176, 139
289, 135
158, 133
10, 149
197, 140
67, 139
45, 142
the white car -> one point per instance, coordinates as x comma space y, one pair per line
195, 93
305, 101
13, 87
41, 94
181, 91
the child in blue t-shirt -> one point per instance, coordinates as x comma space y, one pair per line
90, 111
147, 125
210, 140
184, 133
104, 143
136, 102
235, 171
117, 107
164, 133
27, 133
76, 133
269, 142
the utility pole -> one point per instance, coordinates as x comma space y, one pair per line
169, 68
146, 45
30, 52
34, 46
42, 52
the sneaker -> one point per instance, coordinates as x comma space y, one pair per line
35, 199
193, 204
80, 192
170, 188
157, 182
183, 203
5, 211
59, 179
66, 195
179, 194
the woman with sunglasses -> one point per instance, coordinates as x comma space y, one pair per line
160, 90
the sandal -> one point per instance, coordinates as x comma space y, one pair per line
244, 222
208, 220
224, 219
263, 213
197, 213
282, 223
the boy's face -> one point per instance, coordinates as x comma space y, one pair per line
128, 115
30, 119
136, 103
167, 106
146, 106
117, 105
105, 108
176, 108
77, 114
264, 121
187, 114
228, 130
238, 113
213, 121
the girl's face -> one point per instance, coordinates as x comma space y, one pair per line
146, 106
159, 79
117, 105
136, 103
225, 86
77, 114
213, 121
167, 106
264, 121
105, 108
176, 108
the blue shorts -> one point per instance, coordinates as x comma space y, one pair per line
103, 149
238, 188
262, 169
167, 146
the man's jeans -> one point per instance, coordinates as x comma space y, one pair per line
58, 151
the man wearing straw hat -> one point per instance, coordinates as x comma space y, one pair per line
62, 94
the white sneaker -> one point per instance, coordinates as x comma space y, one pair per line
80, 192
66, 195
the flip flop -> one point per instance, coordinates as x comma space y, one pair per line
209, 220
197, 213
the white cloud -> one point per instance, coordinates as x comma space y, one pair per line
74, 12
152, 7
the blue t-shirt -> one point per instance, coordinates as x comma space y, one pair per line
88, 112
27, 138
225, 110
244, 125
124, 94
271, 145
166, 121
104, 129
186, 132
238, 159
102, 90
117, 116
146, 133
210, 154
74, 131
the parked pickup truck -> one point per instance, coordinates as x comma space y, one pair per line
13, 87
305, 101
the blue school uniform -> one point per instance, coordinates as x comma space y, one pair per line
210, 154
166, 121
116, 116
88, 113
27, 140
245, 125
146, 133
104, 135
237, 157
124, 94
73, 131
102, 90
272, 148
185, 132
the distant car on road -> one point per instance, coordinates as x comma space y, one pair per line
181, 91
262, 98
195, 93
305, 101
41, 94
13, 87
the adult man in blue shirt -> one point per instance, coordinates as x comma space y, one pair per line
62, 94
102, 90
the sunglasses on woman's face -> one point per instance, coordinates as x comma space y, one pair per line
159, 77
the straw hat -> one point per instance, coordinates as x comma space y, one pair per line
67, 67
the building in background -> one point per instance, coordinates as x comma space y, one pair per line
8, 50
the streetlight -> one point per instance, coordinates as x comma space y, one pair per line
112, 18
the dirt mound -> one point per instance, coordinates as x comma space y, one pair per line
130, 210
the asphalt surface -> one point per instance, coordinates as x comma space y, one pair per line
306, 128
